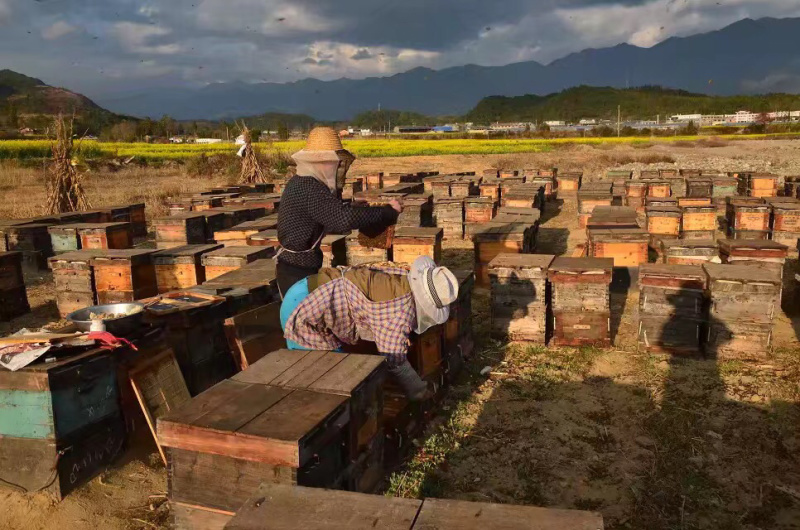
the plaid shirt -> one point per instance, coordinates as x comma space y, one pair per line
325, 320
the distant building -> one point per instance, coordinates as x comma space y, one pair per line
687, 118
27, 131
588, 121
555, 123
208, 141
367, 132
445, 129
412, 129
176, 140
511, 127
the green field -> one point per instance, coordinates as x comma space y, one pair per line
33, 149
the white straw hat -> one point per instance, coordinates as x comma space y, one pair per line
434, 289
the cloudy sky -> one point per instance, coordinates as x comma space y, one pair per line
105, 47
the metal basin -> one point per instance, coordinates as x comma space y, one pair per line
118, 326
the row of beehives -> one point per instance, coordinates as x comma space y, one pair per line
307, 418
41, 237
726, 308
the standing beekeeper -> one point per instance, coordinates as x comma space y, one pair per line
342, 306
311, 207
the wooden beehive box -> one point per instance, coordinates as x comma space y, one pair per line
523, 196
569, 183
374, 181
689, 252
690, 172
181, 267
357, 254
695, 201
236, 236
229, 439
479, 209
187, 228
520, 214
233, 215
699, 222
64, 238
661, 201
352, 186
60, 422
225, 260
498, 238
105, 236
411, 243
786, 217
677, 185
671, 308
417, 210
659, 189
519, 296
791, 186
769, 253
508, 173
490, 188
664, 221
724, 186
124, 275
580, 301
636, 188
748, 218
449, 215
12, 287
649, 174
265, 238
627, 246
359, 378
587, 201
762, 185
549, 172
334, 250
32, 239
439, 186
509, 182
546, 183
612, 217
74, 280
136, 217
668, 173
490, 173
251, 286
699, 187
269, 201
463, 187
458, 339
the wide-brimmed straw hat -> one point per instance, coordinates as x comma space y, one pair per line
323, 139
434, 289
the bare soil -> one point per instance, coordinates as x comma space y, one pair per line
651, 441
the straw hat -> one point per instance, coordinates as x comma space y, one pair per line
323, 139
434, 289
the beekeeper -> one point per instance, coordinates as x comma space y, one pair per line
337, 307
311, 207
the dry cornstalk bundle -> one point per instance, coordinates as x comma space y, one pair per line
251, 170
64, 189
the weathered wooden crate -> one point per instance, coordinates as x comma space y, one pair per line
265, 238
690, 172
228, 259
612, 217
770, 254
663, 222
747, 216
464, 187
580, 284
61, 422
749, 292
620, 176
229, 439
490, 188
786, 217
359, 378
508, 173
334, 250
519, 296
188, 228
237, 235
64, 238
698, 219
659, 189
425, 353
417, 210
103, 236
649, 174
699, 187
498, 238
762, 185
523, 196
124, 275
181, 267
479, 209
627, 246
581, 328
738, 340
233, 215
32, 239
411, 243
689, 252
458, 339
439, 186
137, 218
448, 213
357, 254
588, 200
636, 188
254, 334
695, 201
546, 183
373, 181
568, 183
791, 186
668, 173
12, 287
724, 186
74, 280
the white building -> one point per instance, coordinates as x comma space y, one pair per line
176, 140
687, 118
586, 121
555, 123
511, 127
208, 141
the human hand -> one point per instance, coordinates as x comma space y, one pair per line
397, 205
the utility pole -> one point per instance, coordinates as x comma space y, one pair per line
619, 117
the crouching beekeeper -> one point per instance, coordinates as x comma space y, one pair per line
384, 306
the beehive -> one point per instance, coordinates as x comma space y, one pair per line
193, 204
373, 181
124, 275
786, 224
612, 217
490, 188
225, 260
580, 301
181, 229
699, 187
357, 254
743, 300
509, 182
352, 186
97, 236
458, 339
229, 439
449, 215
265, 238
31, 239
519, 296
587, 201
698, 222
12, 287
695, 201
724, 186
762, 185
181, 267
334, 250
74, 280
747, 219
690, 172
490, 173
791, 186
439, 186
270, 202
659, 189
769, 253
232, 216
417, 210
689, 252
546, 183
464, 187
627, 246
636, 188
479, 209
498, 238
568, 183
663, 222
671, 308
668, 173
410, 243
508, 173
649, 174
236, 236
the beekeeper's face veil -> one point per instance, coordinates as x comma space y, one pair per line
324, 158
434, 289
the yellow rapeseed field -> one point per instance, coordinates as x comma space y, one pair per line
367, 148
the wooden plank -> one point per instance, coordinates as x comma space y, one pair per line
307, 377
237, 412
189, 517
159, 388
271, 366
26, 414
348, 374
298, 368
440, 514
280, 507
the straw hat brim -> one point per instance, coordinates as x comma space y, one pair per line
323, 139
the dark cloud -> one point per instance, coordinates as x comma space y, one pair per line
361, 54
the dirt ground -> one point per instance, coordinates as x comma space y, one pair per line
650, 441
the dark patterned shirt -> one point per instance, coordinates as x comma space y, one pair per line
308, 209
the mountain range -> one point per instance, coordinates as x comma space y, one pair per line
747, 57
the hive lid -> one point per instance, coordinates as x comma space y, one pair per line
236, 252
522, 261
582, 265
694, 272
654, 208
418, 232
618, 234
758, 244
265, 235
185, 250
688, 243
752, 272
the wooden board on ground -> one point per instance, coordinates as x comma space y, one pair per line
160, 389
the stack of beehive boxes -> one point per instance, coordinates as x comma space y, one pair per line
74, 280
568, 184
490, 188
671, 308
71, 237
224, 260
519, 296
477, 211
740, 251
236, 236
627, 246
613, 217
185, 228
786, 223
588, 200
759, 185
635, 193
791, 186
458, 339
181, 267
411, 243
358, 254
124, 275
619, 179
688, 252
663, 222
29, 238
698, 222
580, 301
502, 237
417, 210
449, 215
12, 287
743, 301
747, 218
